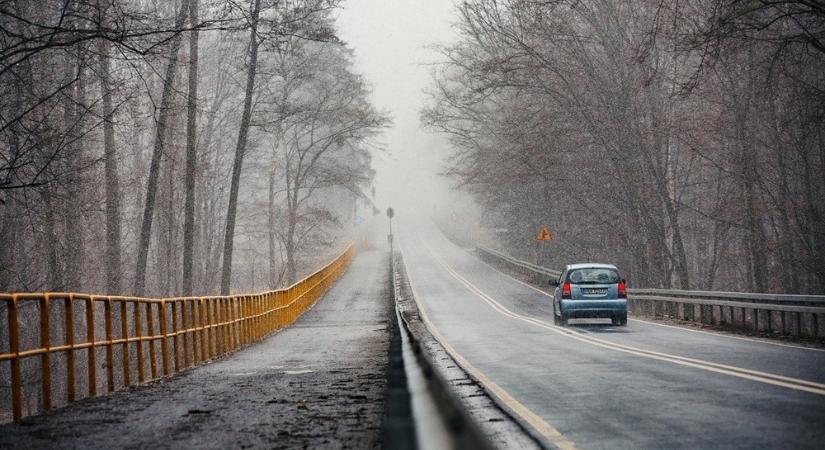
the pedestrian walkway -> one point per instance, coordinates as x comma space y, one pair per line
318, 383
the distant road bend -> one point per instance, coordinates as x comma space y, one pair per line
595, 386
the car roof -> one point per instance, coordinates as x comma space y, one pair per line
591, 266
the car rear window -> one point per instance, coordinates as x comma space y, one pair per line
594, 276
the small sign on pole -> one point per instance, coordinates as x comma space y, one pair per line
390, 214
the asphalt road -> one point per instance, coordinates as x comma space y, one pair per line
317, 384
598, 386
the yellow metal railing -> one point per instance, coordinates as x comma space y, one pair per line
180, 332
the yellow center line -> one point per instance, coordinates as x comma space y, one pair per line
753, 375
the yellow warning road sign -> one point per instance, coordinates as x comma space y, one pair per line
544, 234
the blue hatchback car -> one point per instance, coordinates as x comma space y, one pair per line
590, 291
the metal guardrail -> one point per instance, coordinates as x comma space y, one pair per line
188, 332
779, 299
448, 424
795, 315
527, 267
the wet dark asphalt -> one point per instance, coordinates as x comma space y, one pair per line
601, 398
317, 384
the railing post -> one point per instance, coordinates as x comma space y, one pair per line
139, 343
107, 320
164, 345
90, 337
243, 307
69, 317
211, 335
176, 352
185, 326
124, 334
150, 332
202, 333
45, 363
225, 331
14, 348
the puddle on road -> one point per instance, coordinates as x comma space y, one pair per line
297, 372
286, 370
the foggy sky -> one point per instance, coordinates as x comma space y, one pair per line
390, 39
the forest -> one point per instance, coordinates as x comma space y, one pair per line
175, 148
683, 140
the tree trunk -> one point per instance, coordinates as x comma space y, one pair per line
112, 260
157, 152
55, 277
271, 231
191, 152
72, 164
240, 150
291, 269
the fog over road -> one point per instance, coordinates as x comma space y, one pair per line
598, 386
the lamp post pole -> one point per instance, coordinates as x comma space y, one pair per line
390, 214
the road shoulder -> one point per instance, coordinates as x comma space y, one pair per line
503, 430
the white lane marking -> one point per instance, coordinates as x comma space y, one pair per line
741, 338
711, 333
763, 377
540, 425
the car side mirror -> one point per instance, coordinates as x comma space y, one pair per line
553, 282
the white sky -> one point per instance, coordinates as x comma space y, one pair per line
389, 38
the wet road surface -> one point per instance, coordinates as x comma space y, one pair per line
599, 386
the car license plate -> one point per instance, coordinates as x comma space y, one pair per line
596, 291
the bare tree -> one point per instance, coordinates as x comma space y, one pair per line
191, 152
154, 169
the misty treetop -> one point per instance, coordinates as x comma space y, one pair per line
684, 141
152, 147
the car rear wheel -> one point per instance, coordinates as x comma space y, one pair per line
620, 320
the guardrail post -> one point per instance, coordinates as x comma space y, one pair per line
797, 324
754, 322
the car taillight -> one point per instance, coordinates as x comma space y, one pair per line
565, 290
622, 290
